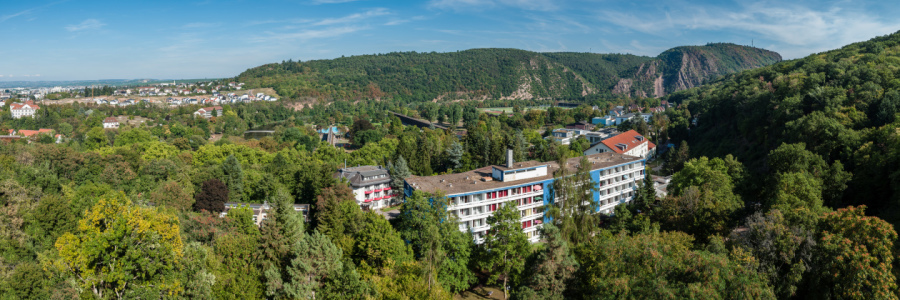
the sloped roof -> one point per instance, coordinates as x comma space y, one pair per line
110, 120
211, 108
28, 133
23, 105
630, 139
356, 175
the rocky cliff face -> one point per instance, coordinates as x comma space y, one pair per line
690, 66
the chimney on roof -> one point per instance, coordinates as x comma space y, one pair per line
509, 158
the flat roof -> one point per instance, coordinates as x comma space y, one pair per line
521, 165
471, 181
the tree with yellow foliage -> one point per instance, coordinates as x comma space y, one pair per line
121, 250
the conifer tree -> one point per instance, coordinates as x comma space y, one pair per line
553, 267
399, 173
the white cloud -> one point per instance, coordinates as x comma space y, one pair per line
403, 21
10, 16
308, 34
541, 5
332, 1
3, 18
88, 24
354, 17
796, 30
196, 25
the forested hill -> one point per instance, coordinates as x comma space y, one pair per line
505, 73
841, 105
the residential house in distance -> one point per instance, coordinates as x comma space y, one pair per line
581, 125
20, 110
371, 185
618, 111
626, 117
110, 122
33, 135
605, 121
261, 211
627, 143
562, 136
600, 135
565, 136
207, 112
474, 196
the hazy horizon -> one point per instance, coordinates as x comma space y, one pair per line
74, 40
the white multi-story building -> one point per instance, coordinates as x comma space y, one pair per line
473, 196
26, 109
371, 185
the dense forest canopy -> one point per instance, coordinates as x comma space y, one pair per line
498, 73
783, 185
841, 105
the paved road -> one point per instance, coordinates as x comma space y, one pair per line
389, 214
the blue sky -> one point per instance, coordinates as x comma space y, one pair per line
79, 40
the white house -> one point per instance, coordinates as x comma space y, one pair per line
628, 143
110, 123
622, 118
207, 112
26, 109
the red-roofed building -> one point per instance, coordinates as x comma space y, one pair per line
110, 123
26, 109
628, 143
30, 133
33, 135
206, 112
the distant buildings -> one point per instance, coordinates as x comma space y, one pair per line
110, 122
565, 136
371, 185
581, 125
20, 110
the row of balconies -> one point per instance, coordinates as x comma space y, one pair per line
473, 203
374, 190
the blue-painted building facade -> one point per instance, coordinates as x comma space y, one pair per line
614, 175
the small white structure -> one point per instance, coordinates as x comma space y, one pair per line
110, 123
26, 109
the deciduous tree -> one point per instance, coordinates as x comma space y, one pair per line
212, 196
119, 247
505, 247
